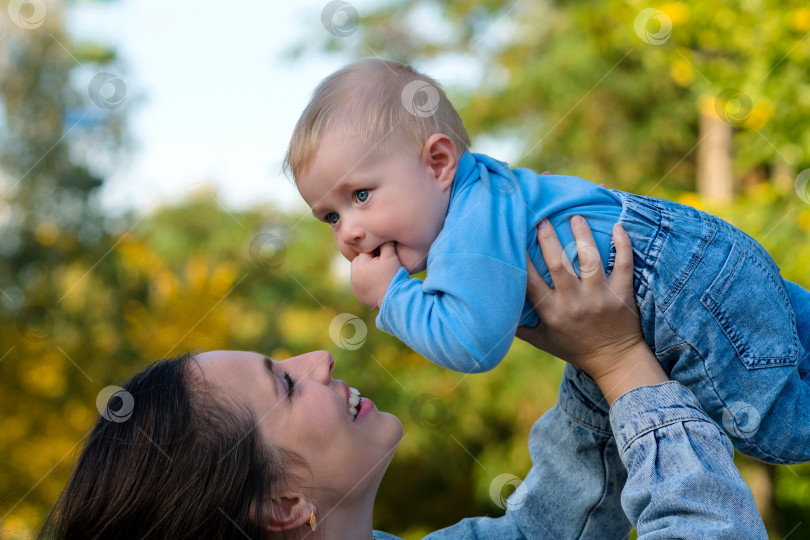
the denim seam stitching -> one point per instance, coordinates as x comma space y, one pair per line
680, 419
651, 255
711, 304
724, 405
604, 488
585, 423
705, 239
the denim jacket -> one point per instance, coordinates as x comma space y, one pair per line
671, 463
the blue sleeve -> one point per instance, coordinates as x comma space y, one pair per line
682, 482
453, 322
465, 314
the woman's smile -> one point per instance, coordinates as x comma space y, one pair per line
323, 420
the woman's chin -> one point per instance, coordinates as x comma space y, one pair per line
395, 426
386, 427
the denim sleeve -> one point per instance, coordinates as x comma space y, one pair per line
573, 488
682, 482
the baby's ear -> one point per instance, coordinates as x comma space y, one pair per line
289, 511
439, 153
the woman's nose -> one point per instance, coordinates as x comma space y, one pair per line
320, 365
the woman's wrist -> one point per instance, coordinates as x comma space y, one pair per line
636, 367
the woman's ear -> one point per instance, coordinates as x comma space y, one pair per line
289, 511
439, 153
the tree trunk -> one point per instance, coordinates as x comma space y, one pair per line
759, 477
715, 179
783, 174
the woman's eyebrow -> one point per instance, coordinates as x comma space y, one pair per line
269, 365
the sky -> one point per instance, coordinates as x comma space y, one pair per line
213, 100
214, 96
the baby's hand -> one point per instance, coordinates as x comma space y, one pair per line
371, 275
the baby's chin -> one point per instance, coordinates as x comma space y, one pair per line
413, 261
414, 268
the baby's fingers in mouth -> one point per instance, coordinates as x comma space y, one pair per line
378, 250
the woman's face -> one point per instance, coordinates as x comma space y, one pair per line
300, 407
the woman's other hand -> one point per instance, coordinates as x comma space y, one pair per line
591, 322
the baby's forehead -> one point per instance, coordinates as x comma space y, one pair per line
357, 151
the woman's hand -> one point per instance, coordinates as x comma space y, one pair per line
591, 322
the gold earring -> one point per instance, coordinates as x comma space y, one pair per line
313, 524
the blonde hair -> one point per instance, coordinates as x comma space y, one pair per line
379, 104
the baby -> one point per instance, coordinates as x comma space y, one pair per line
381, 155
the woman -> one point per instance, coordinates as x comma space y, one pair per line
229, 444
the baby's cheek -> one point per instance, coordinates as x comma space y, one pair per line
346, 251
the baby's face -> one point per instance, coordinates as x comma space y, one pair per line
369, 199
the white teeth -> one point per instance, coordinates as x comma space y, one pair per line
354, 401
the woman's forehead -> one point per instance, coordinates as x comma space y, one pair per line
228, 368
224, 357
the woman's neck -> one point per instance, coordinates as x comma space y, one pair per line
347, 521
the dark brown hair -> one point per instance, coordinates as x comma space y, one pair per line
169, 460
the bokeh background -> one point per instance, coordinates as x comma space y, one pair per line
143, 213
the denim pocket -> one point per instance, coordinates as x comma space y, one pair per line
750, 305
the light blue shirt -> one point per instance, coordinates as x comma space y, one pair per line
465, 313
675, 464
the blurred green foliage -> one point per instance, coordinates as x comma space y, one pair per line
614, 91
87, 300
605, 89
193, 277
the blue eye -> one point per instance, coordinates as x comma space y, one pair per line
332, 218
361, 195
